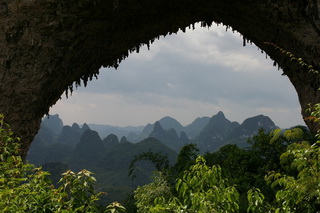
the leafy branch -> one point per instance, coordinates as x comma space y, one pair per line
293, 58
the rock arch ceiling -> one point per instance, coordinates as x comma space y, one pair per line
43, 41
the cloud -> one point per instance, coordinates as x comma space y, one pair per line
185, 76
212, 47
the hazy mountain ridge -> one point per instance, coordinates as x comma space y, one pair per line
109, 158
196, 126
170, 138
220, 131
105, 130
208, 133
213, 135
168, 123
136, 134
78, 146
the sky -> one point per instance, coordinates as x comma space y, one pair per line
185, 76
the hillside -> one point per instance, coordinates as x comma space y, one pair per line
220, 131
78, 146
109, 158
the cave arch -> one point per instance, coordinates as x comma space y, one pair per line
46, 45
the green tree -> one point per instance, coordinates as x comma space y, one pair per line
186, 158
146, 195
24, 188
268, 152
300, 192
160, 161
293, 155
201, 189
241, 168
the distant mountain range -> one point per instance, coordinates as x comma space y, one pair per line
108, 150
138, 133
208, 133
78, 148
220, 131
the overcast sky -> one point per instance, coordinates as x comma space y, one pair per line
185, 76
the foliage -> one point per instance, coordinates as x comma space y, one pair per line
268, 149
256, 201
298, 189
9, 144
240, 185
205, 189
293, 58
241, 167
24, 188
246, 168
295, 175
234, 187
115, 207
165, 177
314, 115
300, 193
146, 195
201, 189
160, 161
186, 158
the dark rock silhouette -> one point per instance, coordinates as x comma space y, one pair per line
196, 126
90, 146
220, 131
70, 135
110, 141
169, 137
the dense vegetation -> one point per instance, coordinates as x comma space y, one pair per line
24, 188
58, 147
280, 172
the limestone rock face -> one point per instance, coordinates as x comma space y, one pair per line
47, 45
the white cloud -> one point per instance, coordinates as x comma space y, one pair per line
209, 46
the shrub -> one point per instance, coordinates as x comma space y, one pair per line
24, 188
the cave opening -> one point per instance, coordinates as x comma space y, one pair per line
184, 76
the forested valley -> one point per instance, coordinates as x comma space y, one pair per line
211, 165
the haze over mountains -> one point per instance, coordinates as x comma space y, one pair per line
208, 133
108, 150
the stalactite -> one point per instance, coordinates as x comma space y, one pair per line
85, 82
275, 63
244, 41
